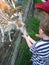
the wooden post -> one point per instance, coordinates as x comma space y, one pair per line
32, 7
33, 3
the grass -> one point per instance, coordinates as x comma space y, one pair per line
24, 54
38, 1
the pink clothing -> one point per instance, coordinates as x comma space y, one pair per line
43, 6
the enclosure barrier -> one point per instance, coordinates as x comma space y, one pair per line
9, 51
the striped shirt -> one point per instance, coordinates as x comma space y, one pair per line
40, 51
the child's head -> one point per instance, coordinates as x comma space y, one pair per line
44, 27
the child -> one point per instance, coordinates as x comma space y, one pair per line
40, 49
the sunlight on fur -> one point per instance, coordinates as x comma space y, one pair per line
4, 6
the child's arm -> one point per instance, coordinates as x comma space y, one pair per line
31, 40
27, 40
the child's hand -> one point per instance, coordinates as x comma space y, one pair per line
25, 36
27, 40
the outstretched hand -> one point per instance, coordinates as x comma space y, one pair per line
25, 36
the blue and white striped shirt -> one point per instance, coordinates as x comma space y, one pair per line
40, 52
